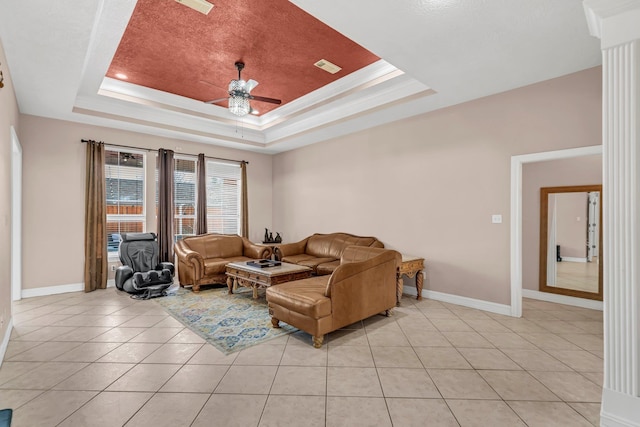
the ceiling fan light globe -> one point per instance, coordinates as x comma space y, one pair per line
237, 85
239, 105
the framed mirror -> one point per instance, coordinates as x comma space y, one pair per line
571, 241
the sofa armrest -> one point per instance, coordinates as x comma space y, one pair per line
252, 250
289, 249
363, 288
358, 260
190, 259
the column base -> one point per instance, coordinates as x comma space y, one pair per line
619, 409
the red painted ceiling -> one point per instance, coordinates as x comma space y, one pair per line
172, 48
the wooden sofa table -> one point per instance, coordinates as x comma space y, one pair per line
241, 274
411, 267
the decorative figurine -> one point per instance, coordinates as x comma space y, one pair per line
270, 237
266, 235
278, 238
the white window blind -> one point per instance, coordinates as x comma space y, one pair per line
223, 197
124, 175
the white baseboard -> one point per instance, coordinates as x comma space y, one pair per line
463, 301
619, 409
5, 340
572, 259
562, 299
59, 289
52, 290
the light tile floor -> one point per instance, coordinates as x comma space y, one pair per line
104, 359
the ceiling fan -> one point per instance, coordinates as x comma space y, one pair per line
240, 94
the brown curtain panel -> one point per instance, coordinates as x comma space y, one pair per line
244, 205
95, 220
201, 208
165, 205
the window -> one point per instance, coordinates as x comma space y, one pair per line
124, 172
184, 220
223, 198
223, 181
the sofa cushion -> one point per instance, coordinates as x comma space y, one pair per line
327, 267
305, 296
307, 260
295, 259
215, 266
216, 245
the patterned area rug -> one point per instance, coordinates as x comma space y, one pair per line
229, 322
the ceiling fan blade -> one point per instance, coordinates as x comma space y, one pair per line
250, 85
263, 99
215, 101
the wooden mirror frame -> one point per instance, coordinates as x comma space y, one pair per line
544, 225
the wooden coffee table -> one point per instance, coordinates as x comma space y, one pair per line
241, 274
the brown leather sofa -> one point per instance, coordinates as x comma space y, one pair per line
202, 259
364, 284
322, 252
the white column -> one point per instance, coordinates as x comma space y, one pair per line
617, 24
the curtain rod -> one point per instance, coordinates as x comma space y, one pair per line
179, 153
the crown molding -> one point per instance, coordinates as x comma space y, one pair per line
338, 110
614, 22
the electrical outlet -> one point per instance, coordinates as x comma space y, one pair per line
113, 267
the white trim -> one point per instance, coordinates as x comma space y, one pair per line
573, 259
562, 299
59, 289
619, 409
516, 212
5, 340
460, 300
614, 22
16, 216
52, 290
516, 236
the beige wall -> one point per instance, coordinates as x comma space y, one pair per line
571, 223
585, 170
53, 192
428, 185
8, 117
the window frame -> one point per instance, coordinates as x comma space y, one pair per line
113, 255
239, 195
177, 217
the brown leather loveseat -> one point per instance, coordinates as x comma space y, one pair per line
364, 284
202, 259
322, 252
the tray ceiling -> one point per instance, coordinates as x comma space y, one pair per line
399, 59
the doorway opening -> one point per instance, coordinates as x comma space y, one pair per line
516, 213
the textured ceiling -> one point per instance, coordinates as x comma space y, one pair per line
433, 54
169, 47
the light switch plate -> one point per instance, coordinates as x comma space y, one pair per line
496, 219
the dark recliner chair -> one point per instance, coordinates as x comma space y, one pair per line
141, 274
